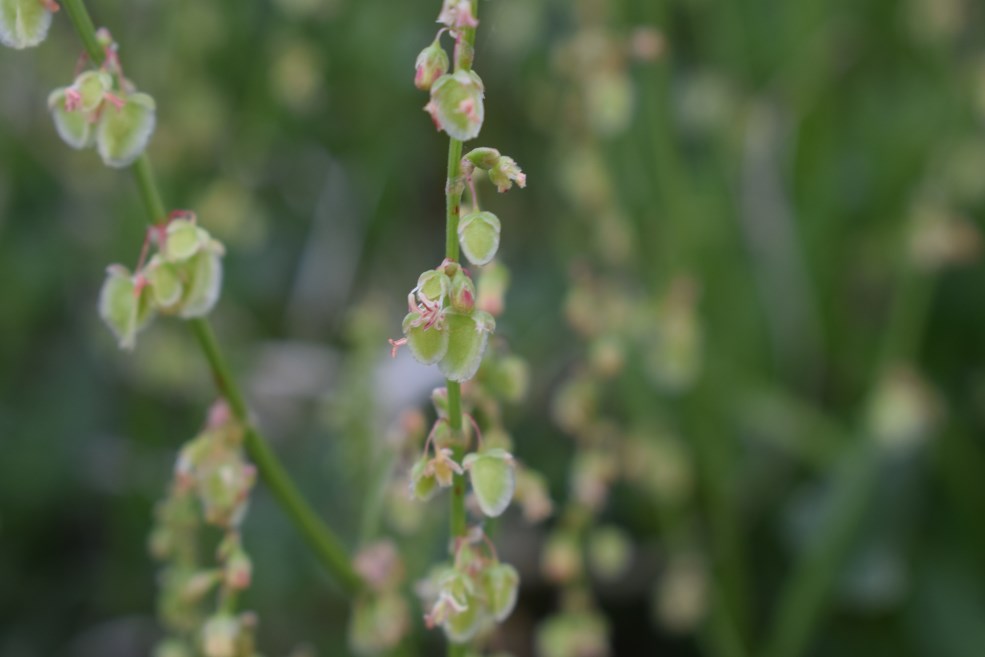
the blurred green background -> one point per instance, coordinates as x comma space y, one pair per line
765, 212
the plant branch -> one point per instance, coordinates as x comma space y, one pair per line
322, 541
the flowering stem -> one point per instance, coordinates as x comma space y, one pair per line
453, 204
322, 541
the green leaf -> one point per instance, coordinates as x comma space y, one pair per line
493, 479
478, 234
74, 128
122, 134
467, 340
23, 23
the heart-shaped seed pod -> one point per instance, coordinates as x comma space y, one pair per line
73, 127
123, 133
23, 23
122, 308
478, 233
492, 473
456, 105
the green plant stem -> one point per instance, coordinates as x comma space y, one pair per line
322, 541
453, 203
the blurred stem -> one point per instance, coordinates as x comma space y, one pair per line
802, 602
453, 204
326, 546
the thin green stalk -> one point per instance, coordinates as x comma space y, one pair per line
323, 542
453, 203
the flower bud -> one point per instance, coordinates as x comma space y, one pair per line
492, 473
462, 292
484, 158
467, 338
73, 127
478, 233
431, 64
23, 23
122, 134
428, 344
123, 307
502, 583
505, 172
456, 105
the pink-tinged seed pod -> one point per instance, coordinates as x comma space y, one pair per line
432, 63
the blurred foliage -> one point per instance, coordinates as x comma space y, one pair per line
810, 172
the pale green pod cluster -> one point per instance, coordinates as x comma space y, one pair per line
469, 594
23, 23
119, 122
184, 278
444, 326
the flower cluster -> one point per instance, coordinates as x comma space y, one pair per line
183, 278
211, 485
476, 589
104, 108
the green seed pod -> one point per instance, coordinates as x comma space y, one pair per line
492, 473
423, 486
23, 23
478, 233
467, 340
91, 87
462, 626
378, 623
165, 284
433, 285
121, 308
456, 105
427, 344
203, 281
610, 551
73, 127
502, 583
431, 64
183, 239
122, 134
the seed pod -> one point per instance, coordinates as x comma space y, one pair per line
183, 239
467, 338
73, 127
219, 636
502, 583
23, 23
427, 344
122, 134
505, 172
484, 158
492, 473
431, 64
456, 105
204, 281
433, 285
90, 87
478, 233
165, 284
122, 308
